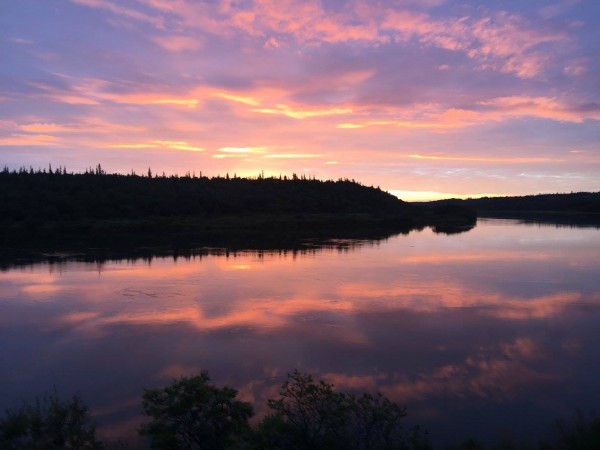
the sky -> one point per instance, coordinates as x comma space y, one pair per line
426, 99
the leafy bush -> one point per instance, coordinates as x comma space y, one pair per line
192, 413
311, 415
49, 423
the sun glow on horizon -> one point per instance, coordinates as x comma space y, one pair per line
427, 196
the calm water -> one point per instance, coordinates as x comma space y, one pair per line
484, 333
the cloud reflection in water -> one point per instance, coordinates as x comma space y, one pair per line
495, 326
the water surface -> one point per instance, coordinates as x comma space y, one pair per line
485, 333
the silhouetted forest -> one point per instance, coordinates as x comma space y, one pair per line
97, 204
58, 195
578, 206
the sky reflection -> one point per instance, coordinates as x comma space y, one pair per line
497, 326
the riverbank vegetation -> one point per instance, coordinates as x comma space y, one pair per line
193, 413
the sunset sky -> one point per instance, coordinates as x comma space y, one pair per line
424, 98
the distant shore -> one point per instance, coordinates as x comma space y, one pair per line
577, 208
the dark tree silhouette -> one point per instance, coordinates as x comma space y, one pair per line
192, 413
49, 423
580, 433
312, 415
573, 203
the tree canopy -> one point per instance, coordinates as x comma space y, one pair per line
192, 413
311, 414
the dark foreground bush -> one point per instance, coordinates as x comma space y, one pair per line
312, 415
192, 413
581, 433
578, 433
49, 423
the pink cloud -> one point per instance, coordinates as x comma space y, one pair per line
178, 44
499, 372
498, 40
43, 128
510, 41
29, 140
543, 107
440, 118
80, 125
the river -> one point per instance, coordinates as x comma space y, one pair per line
490, 333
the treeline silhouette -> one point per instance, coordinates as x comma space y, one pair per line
193, 413
581, 203
53, 195
54, 204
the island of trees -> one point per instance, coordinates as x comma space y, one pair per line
39, 207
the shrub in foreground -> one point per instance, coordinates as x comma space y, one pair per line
192, 413
312, 415
49, 423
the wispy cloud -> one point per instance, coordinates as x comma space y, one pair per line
119, 10
484, 159
179, 43
243, 150
492, 110
297, 113
173, 145
29, 140
497, 39
292, 155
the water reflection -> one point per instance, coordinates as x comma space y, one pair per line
477, 333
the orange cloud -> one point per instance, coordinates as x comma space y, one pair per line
292, 155
239, 98
243, 150
173, 145
29, 139
43, 128
297, 113
187, 102
349, 125
423, 196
